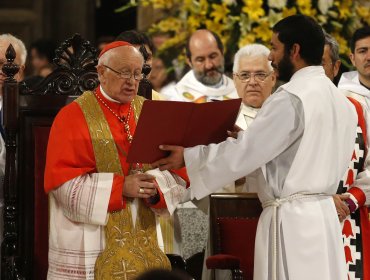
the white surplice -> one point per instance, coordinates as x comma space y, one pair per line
78, 215
245, 118
350, 84
304, 134
189, 89
349, 81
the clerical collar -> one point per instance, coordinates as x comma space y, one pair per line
364, 86
107, 96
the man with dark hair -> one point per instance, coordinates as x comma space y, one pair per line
356, 230
353, 195
145, 45
138, 39
42, 54
304, 136
206, 81
358, 82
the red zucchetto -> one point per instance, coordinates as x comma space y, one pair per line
113, 45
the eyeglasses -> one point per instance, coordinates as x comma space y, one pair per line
126, 75
245, 77
327, 63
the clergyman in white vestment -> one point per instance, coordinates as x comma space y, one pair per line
304, 135
254, 80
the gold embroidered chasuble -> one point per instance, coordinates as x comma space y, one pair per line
130, 249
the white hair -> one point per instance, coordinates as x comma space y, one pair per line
17, 44
252, 50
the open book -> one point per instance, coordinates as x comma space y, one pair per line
180, 123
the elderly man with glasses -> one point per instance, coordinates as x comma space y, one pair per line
254, 79
101, 221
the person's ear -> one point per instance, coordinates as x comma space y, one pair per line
336, 67
294, 51
188, 61
352, 58
101, 70
20, 73
273, 78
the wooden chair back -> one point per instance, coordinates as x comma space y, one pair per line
28, 116
233, 225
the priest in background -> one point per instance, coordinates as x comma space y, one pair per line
206, 80
254, 79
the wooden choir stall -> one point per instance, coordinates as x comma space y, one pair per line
27, 117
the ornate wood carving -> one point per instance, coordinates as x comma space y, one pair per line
26, 110
76, 60
9, 247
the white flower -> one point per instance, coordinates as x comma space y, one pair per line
274, 17
324, 5
279, 4
229, 2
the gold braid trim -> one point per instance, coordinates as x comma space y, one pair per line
105, 150
166, 223
129, 249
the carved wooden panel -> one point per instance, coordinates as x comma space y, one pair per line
28, 115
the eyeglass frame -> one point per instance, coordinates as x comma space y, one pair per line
253, 74
327, 63
121, 74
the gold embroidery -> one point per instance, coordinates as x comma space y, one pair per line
167, 233
129, 249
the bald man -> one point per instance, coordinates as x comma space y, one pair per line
206, 81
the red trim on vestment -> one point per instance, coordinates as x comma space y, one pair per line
350, 176
115, 201
359, 195
361, 120
347, 253
161, 204
365, 233
347, 229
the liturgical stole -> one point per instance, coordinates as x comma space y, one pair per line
130, 249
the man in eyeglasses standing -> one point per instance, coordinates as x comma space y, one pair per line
101, 222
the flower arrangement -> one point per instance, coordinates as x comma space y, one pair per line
239, 22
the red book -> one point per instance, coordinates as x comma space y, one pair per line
180, 123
